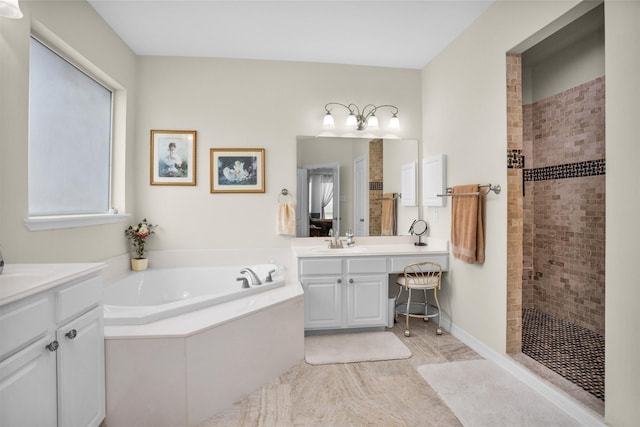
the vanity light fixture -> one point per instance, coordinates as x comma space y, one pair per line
360, 119
10, 9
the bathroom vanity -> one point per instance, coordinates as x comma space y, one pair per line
349, 287
52, 346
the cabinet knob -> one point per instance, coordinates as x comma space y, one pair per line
339, 281
71, 334
52, 346
350, 280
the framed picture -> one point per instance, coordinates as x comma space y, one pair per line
237, 170
173, 157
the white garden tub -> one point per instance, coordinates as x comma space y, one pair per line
142, 297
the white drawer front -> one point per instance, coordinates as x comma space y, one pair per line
321, 266
398, 263
366, 265
78, 298
23, 322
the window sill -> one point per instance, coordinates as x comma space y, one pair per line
71, 221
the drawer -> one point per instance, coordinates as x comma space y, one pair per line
23, 322
366, 265
321, 266
398, 263
78, 298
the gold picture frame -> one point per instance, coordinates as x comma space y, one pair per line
173, 157
237, 170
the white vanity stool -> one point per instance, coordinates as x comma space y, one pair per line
423, 276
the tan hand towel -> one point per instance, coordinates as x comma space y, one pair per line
467, 232
388, 214
286, 221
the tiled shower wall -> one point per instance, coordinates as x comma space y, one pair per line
375, 186
564, 205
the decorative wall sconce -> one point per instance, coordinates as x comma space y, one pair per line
10, 9
360, 119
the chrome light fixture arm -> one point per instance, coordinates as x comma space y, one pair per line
361, 118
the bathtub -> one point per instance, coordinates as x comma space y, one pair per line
139, 298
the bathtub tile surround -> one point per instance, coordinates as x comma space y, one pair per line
205, 360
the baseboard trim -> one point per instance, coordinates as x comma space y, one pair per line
582, 414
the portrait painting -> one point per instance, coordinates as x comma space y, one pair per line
173, 157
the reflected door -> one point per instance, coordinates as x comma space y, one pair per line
360, 197
302, 203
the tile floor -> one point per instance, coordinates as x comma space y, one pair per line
387, 393
555, 348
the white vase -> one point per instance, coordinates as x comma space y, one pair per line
139, 264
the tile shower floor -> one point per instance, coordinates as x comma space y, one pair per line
384, 393
571, 351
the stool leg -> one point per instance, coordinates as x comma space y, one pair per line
426, 306
435, 295
406, 330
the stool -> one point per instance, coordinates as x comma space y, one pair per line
420, 276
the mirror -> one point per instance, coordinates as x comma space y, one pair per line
419, 228
341, 183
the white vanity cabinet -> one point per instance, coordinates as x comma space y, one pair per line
344, 292
52, 357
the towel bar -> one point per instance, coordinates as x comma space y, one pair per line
495, 188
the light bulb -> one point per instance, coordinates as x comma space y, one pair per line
373, 121
10, 9
394, 122
328, 120
352, 120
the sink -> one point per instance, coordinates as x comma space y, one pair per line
338, 251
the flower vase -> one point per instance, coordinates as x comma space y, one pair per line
139, 264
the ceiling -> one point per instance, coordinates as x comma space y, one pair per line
403, 34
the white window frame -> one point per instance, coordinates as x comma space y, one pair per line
51, 222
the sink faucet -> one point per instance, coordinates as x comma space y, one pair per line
255, 280
335, 243
1, 262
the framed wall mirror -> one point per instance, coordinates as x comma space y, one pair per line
354, 184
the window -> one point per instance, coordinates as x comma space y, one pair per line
70, 120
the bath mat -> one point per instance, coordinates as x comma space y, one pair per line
354, 347
480, 394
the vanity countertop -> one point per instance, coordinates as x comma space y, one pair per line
22, 280
369, 246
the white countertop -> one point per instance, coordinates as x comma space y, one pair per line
22, 280
369, 246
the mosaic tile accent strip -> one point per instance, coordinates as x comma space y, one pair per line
375, 186
515, 159
569, 170
574, 352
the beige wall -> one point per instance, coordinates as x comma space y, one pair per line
244, 103
75, 26
622, 383
464, 116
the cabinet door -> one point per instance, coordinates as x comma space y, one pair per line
367, 300
28, 387
322, 302
81, 371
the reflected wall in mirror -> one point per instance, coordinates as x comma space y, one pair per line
341, 184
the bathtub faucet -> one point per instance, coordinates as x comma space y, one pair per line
255, 280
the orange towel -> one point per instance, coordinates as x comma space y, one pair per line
286, 221
388, 226
467, 231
